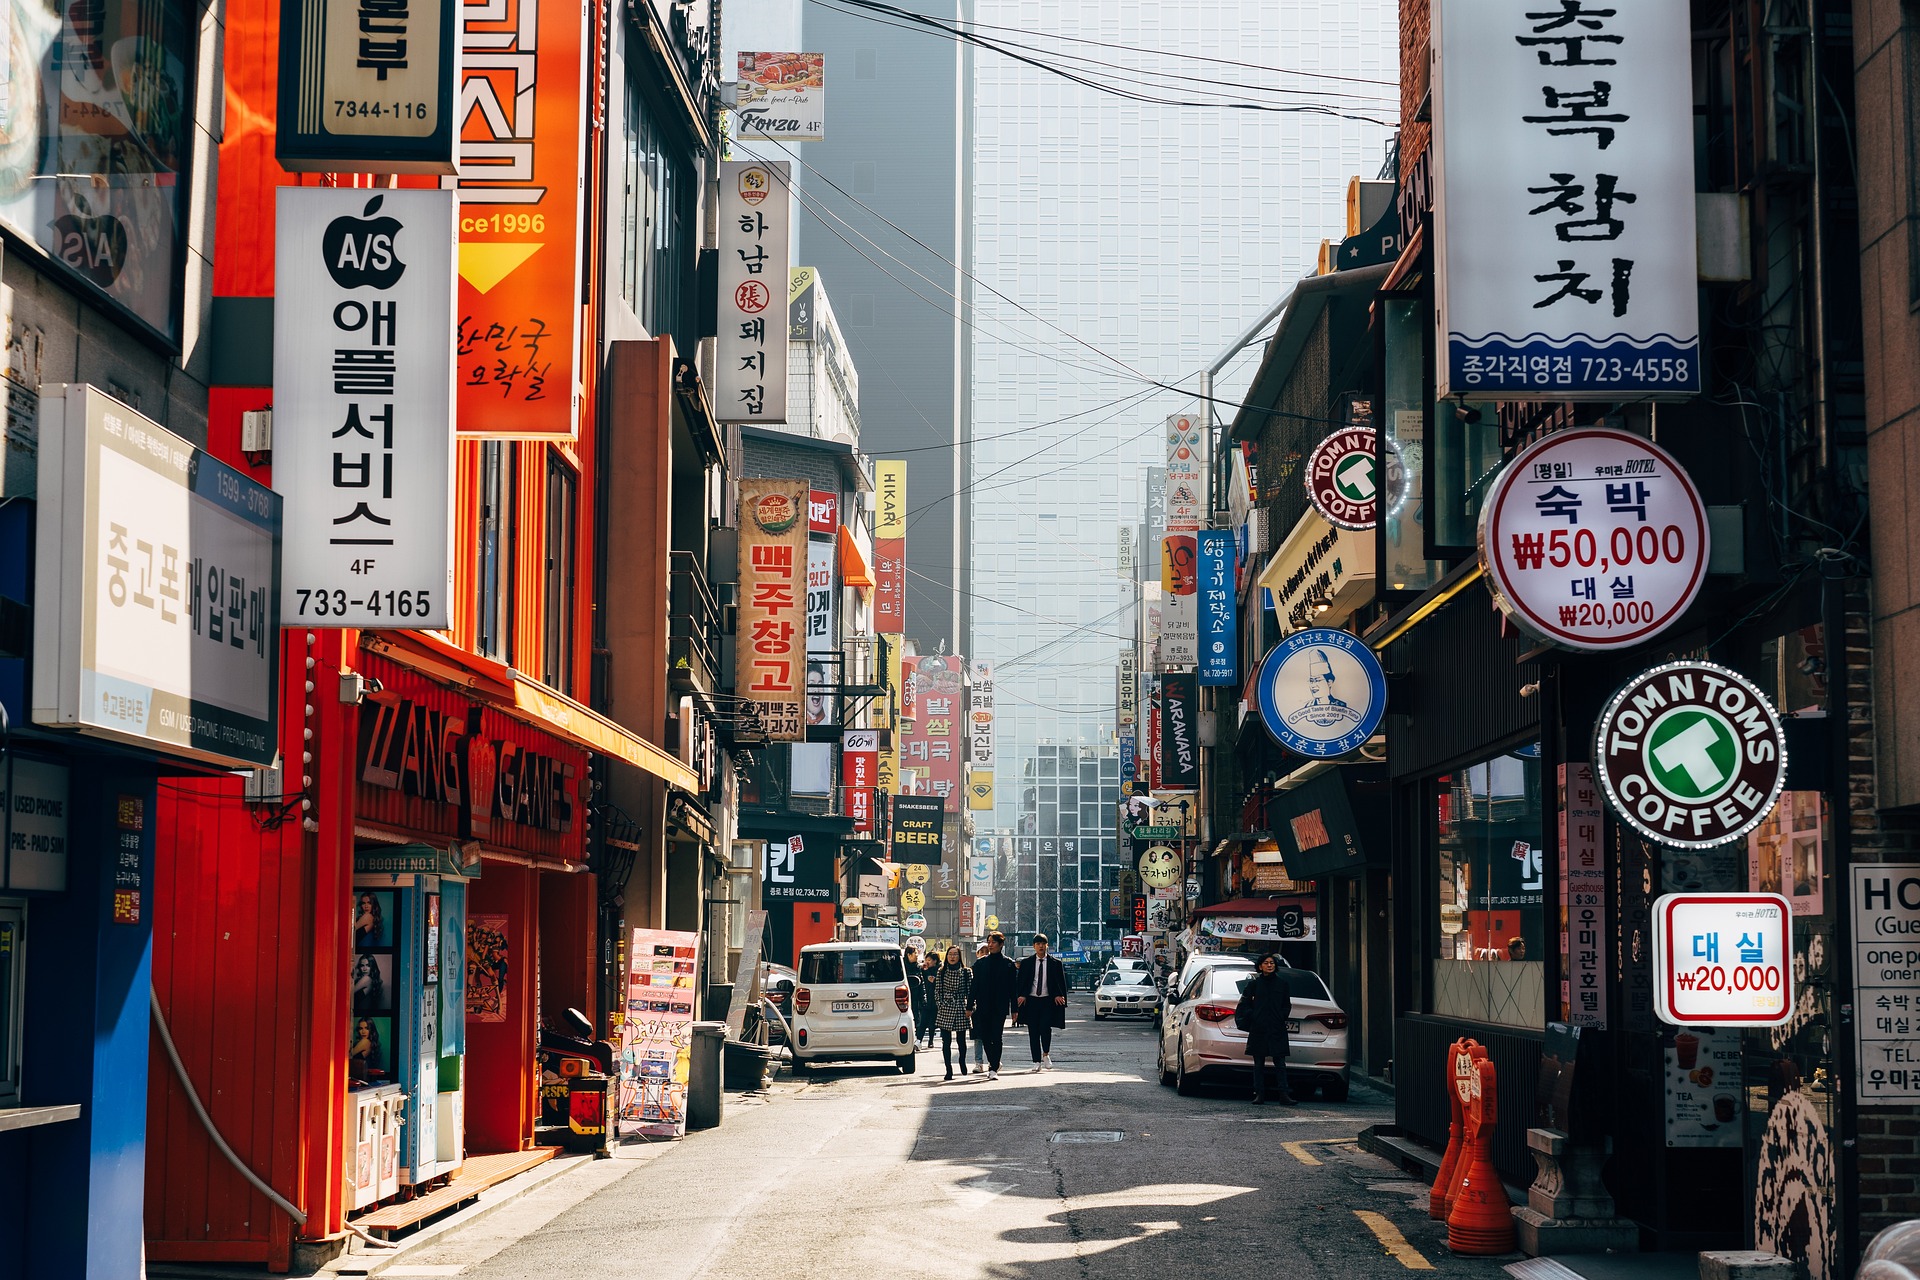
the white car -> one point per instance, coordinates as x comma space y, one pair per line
1126, 992
1202, 959
1199, 1043
852, 1004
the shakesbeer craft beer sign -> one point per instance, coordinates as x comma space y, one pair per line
1691, 755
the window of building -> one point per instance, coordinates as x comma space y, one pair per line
657, 221
493, 596
1461, 466
1403, 433
557, 659
1490, 892
13, 956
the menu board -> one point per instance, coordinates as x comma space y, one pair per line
656, 1035
1703, 1087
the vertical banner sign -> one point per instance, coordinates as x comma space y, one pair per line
1583, 884
918, 825
366, 86
750, 365
1219, 625
771, 669
523, 146
1150, 757
1186, 481
1129, 691
980, 745
1127, 567
1563, 201
910, 689
890, 548
1156, 504
933, 746
783, 97
1179, 733
656, 1034
1886, 956
363, 405
1180, 613
859, 765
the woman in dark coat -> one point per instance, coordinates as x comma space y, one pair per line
919, 997
952, 994
1265, 1005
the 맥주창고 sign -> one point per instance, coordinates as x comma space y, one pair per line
1723, 959
363, 405
1563, 202
771, 662
1341, 481
1321, 692
1691, 755
1594, 539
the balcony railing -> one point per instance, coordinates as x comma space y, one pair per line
693, 627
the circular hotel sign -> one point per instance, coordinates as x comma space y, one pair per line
1321, 692
1691, 755
1160, 867
1343, 478
1594, 539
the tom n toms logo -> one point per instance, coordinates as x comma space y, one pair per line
1691, 754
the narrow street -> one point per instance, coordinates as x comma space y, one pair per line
1089, 1170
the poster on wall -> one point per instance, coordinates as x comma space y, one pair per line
656, 1034
1784, 853
489, 962
1704, 1099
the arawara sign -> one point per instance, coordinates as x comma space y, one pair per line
1691, 755
1341, 480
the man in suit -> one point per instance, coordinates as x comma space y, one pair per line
1040, 1000
994, 987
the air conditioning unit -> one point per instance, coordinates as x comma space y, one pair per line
256, 431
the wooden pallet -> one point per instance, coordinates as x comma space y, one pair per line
476, 1175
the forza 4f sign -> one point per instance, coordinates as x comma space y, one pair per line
1691, 755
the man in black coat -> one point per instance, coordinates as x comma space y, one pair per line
1040, 1000
993, 992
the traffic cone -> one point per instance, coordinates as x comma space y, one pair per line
1449, 1163
1481, 1220
1462, 1083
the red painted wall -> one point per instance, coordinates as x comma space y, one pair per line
500, 1079
812, 922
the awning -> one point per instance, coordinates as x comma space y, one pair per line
854, 569
1251, 907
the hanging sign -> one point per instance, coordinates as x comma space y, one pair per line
1594, 539
1321, 692
1219, 624
1161, 866
1886, 981
980, 714
1180, 615
366, 86
1186, 489
1341, 480
1129, 690
1723, 959
783, 96
1179, 732
1691, 755
363, 405
859, 765
750, 368
771, 664
1564, 201
918, 823
890, 548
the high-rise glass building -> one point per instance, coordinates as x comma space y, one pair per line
1154, 234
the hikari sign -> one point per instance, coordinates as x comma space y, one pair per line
1564, 200
363, 405
750, 374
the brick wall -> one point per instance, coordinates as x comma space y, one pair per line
1415, 22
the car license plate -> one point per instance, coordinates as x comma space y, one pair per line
1293, 1024
853, 1006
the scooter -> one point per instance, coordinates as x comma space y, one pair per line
575, 1078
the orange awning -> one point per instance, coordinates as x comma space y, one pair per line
854, 570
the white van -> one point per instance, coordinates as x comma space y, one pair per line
852, 1003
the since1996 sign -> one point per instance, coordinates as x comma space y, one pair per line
1594, 539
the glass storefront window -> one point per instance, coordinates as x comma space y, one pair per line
1464, 458
1403, 437
1490, 965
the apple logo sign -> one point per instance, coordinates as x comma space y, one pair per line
360, 251
96, 247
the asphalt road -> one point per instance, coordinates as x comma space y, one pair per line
1090, 1170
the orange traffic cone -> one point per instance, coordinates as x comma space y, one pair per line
1481, 1220
1465, 1081
1449, 1163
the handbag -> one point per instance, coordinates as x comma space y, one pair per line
1240, 1015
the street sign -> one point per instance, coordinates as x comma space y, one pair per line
1691, 755
1723, 959
1157, 833
1594, 539
1341, 480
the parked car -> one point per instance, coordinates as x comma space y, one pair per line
1126, 992
852, 1003
1201, 959
1199, 1043
1128, 964
776, 988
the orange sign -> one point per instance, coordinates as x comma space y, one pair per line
522, 153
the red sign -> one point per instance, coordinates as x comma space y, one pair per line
890, 586
859, 771
823, 512
963, 917
522, 153
909, 689
932, 743
1139, 913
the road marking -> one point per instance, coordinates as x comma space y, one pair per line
1298, 1150
1392, 1241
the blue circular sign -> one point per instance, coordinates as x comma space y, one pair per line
1321, 692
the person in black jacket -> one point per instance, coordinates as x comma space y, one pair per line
1040, 1000
1265, 1005
994, 978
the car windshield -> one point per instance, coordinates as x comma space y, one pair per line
1302, 984
1129, 979
834, 968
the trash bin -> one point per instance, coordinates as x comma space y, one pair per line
747, 1066
703, 1076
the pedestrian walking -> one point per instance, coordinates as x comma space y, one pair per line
953, 995
924, 1019
1040, 1001
980, 952
1265, 1005
919, 997
994, 987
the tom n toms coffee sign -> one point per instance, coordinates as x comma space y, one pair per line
1341, 481
1691, 755
1594, 539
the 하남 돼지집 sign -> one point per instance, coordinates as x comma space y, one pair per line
1341, 478
755, 270
1723, 959
1321, 692
1690, 755
1594, 539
